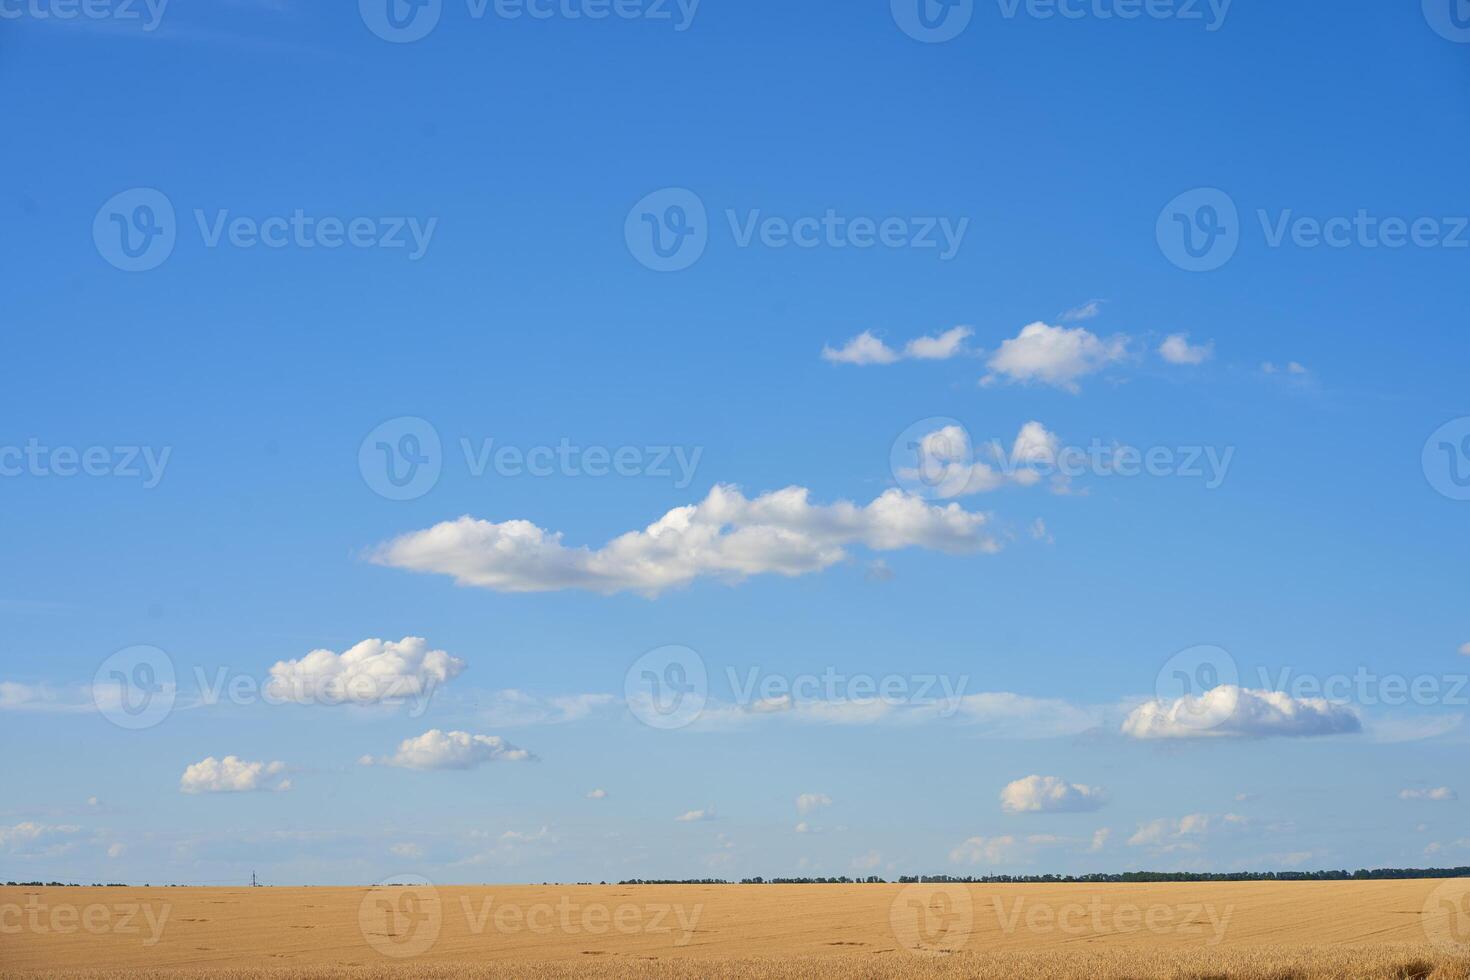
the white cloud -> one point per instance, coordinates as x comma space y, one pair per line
1292, 367
1234, 712
1086, 311
940, 347
408, 851
233, 775
597, 794
116, 850
1183, 834
1048, 794
1176, 349
948, 463
1056, 356
521, 837
1100, 838
865, 348
807, 802
726, 536
511, 707
985, 850
868, 861
694, 816
862, 349
1012, 715
370, 672
1439, 794
437, 749
29, 839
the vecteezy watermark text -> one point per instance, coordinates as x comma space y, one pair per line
145, 920
669, 230
136, 230
403, 458
1201, 230
147, 13
406, 21
34, 459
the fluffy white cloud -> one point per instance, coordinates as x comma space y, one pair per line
947, 462
868, 861
1055, 356
1292, 367
727, 536
436, 749
1048, 794
370, 672
694, 816
1228, 711
233, 775
1176, 349
866, 348
597, 794
1439, 794
1100, 838
807, 802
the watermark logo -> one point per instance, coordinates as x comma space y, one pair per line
1446, 459
135, 688
1449, 18
136, 229
667, 688
1210, 13
933, 458
1199, 230
401, 916
35, 459
400, 21
933, 21
401, 459
1446, 915
668, 230
932, 918
1188, 675
1098, 918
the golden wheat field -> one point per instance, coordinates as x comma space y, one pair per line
1275, 930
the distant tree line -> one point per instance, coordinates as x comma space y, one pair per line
1362, 874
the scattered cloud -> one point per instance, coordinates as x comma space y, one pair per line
28, 839
1086, 311
1056, 356
1291, 368
1228, 711
408, 851
511, 708
597, 794
985, 850
866, 348
878, 571
807, 802
1048, 794
947, 462
233, 775
1176, 349
1439, 794
1100, 838
868, 861
726, 536
437, 749
1183, 834
116, 850
695, 816
368, 673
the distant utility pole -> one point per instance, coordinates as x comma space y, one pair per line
253, 882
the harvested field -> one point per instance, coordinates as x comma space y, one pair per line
1277, 930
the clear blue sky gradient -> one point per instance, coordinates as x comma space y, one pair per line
527, 320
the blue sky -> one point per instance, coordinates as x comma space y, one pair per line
1066, 157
